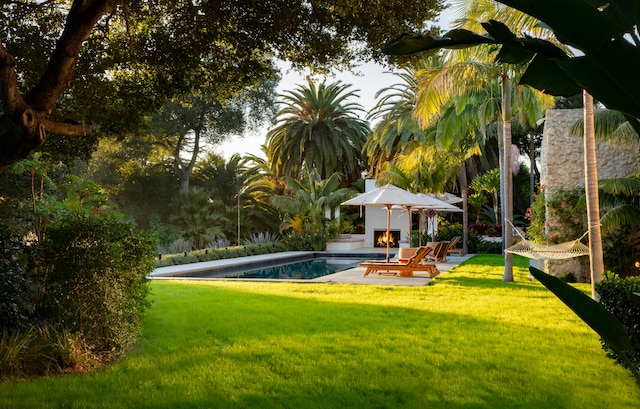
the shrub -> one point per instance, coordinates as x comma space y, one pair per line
43, 349
568, 277
220, 253
301, 242
489, 247
220, 243
262, 238
616, 296
475, 242
180, 246
93, 275
16, 291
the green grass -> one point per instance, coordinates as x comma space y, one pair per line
469, 341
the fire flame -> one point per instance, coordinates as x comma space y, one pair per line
384, 237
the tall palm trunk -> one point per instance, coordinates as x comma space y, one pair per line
464, 190
591, 188
506, 179
532, 166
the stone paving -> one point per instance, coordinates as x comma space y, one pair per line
350, 276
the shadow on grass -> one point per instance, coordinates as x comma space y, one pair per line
486, 271
253, 345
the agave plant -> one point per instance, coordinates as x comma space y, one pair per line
262, 238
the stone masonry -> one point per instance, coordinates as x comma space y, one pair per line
562, 167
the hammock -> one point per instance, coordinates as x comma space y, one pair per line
559, 251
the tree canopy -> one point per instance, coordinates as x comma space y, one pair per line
72, 68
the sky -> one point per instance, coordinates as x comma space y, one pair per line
368, 79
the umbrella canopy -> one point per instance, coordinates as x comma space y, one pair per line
431, 205
439, 206
388, 196
446, 197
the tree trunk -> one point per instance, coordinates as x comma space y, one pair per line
24, 121
532, 165
184, 171
591, 189
464, 191
507, 209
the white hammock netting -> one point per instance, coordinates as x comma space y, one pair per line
559, 251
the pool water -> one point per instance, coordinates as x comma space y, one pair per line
303, 270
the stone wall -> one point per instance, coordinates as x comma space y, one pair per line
562, 167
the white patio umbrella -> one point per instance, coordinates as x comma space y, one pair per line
433, 204
387, 196
446, 197
443, 206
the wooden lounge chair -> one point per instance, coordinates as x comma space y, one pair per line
452, 247
439, 253
415, 263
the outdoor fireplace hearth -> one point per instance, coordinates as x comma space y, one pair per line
380, 238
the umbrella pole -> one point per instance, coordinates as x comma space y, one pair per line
409, 211
420, 227
388, 229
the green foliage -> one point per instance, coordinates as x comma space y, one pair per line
220, 253
21, 353
139, 178
537, 218
198, 217
306, 201
92, 275
621, 224
569, 208
617, 296
489, 182
318, 128
621, 250
262, 238
41, 350
180, 246
305, 241
566, 207
489, 247
446, 231
16, 290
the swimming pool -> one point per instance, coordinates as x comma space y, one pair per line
302, 270
277, 266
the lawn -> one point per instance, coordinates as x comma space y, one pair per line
469, 341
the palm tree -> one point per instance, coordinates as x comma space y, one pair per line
459, 110
619, 194
244, 193
591, 190
478, 11
397, 127
421, 169
318, 128
621, 223
199, 218
472, 66
489, 182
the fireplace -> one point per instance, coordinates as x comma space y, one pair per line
380, 238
